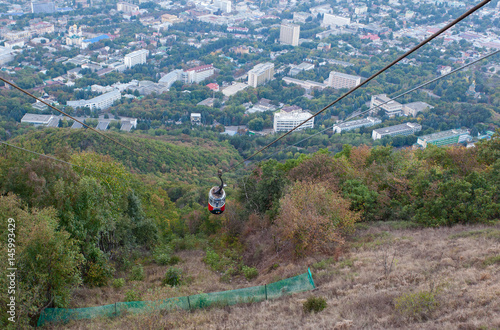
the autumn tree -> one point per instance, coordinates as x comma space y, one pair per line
313, 218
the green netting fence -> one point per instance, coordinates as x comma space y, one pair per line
300, 283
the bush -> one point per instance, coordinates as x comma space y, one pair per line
162, 254
416, 306
173, 277
132, 295
174, 260
98, 273
118, 283
212, 259
137, 273
314, 304
249, 272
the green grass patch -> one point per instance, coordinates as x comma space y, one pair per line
323, 264
492, 260
416, 306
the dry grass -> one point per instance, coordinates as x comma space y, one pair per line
360, 288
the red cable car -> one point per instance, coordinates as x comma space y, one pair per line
217, 197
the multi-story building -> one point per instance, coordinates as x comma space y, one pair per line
103, 101
334, 20
170, 78
16, 35
43, 7
360, 10
223, 5
286, 120
339, 80
137, 57
402, 129
289, 34
198, 74
126, 7
392, 108
6, 55
353, 124
260, 74
451, 136
42, 28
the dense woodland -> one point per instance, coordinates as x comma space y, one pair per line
78, 227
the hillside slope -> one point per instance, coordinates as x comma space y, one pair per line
390, 276
187, 160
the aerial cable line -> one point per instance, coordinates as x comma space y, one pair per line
411, 51
354, 115
64, 113
58, 160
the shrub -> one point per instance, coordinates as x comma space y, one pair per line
416, 306
132, 295
137, 273
249, 272
174, 260
314, 304
118, 283
98, 273
162, 254
212, 259
173, 277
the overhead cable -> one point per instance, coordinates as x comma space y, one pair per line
411, 51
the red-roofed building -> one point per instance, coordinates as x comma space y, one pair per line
214, 87
198, 74
372, 37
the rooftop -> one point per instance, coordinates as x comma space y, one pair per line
443, 134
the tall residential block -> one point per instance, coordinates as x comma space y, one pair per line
137, 57
43, 7
126, 7
342, 80
289, 34
260, 74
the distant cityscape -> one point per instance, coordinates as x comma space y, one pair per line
74, 39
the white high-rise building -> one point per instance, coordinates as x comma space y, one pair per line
137, 57
260, 74
334, 20
342, 80
289, 34
285, 121
223, 5
126, 7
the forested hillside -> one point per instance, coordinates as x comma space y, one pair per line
86, 231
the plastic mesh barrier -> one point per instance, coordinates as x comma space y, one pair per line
300, 283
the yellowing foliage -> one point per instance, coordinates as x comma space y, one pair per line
313, 218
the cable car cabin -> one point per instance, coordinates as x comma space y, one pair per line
216, 200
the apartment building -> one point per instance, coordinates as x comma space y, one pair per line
137, 57
260, 74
